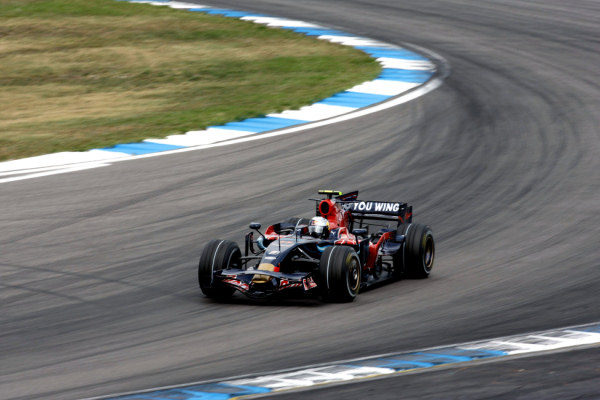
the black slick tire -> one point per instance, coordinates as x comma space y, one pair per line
217, 255
416, 258
339, 274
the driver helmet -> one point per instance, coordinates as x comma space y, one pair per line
318, 227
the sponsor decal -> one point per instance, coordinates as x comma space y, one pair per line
238, 284
285, 284
374, 207
309, 283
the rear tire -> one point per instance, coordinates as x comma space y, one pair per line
340, 272
416, 259
217, 255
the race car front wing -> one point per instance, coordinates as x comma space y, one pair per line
260, 283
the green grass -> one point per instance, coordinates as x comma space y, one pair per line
81, 74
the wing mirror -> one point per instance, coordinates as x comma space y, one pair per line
255, 225
360, 231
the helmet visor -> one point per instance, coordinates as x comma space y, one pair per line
315, 229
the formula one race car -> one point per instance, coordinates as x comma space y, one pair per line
345, 247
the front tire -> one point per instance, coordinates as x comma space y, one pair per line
217, 255
340, 272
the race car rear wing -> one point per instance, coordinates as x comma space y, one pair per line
369, 210
378, 210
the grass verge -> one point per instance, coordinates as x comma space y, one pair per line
80, 74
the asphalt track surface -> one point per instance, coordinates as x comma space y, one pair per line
98, 268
